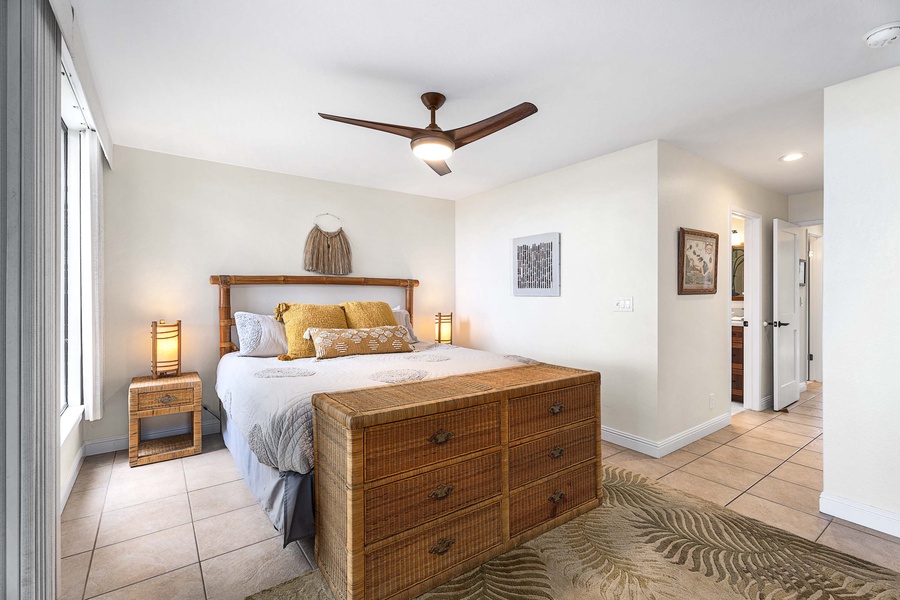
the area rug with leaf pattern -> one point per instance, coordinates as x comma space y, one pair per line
649, 541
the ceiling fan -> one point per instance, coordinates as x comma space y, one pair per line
434, 145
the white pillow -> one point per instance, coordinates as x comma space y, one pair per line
260, 335
403, 320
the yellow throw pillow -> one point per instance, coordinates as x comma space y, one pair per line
331, 343
297, 318
362, 315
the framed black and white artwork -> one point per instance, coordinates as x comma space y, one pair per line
535, 265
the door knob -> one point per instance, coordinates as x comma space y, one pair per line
780, 324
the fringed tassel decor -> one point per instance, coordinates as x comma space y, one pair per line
327, 252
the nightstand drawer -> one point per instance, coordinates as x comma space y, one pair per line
398, 447
404, 504
165, 399
540, 458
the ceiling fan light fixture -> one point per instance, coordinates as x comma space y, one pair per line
432, 148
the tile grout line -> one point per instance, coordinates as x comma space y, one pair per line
87, 575
194, 533
769, 474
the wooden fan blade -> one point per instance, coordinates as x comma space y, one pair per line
471, 133
440, 167
401, 130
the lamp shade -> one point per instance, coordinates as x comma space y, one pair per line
443, 328
165, 349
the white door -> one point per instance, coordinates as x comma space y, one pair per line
815, 308
786, 318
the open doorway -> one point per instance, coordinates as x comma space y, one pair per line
814, 303
745, 319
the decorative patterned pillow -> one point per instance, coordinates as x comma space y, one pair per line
403, 320
297, 318
331, 343
260, 335
363, 315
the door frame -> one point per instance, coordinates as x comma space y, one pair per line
752, 305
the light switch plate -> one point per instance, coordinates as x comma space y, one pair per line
624, 304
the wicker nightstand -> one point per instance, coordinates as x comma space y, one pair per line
148, 397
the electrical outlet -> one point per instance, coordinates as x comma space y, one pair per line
711, 400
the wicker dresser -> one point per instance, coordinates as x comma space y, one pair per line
419, 482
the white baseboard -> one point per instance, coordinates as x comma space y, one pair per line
668, 445
861, 514
802, 386
105, 445
114, 444
767, 403
70, 480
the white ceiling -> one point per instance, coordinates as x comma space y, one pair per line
738, 82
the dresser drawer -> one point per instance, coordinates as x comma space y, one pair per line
409, 561
555, 452
404, 504
165, 399
542, 502
533, 414
398, 447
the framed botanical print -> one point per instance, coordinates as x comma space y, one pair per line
698, 258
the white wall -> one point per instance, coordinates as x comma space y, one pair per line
71, 455
605, 211
862, 188
806, 208
618, 216
171, 222
694, 330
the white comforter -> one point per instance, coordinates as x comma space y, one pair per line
270, 400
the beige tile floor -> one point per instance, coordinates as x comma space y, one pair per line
181, 529
190, 529
768, 466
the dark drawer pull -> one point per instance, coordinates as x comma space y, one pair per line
167, 399
557, 408
557, 452
442, 546
441, 437
441, 491
557, 497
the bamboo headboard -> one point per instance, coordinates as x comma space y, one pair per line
226, 318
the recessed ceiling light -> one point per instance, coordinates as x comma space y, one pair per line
792, 156
883, 35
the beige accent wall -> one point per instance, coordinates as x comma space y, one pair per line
171, 222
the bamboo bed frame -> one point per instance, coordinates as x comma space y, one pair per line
226, 317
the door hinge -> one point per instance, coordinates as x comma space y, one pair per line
810, 357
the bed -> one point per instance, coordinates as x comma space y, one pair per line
265, 403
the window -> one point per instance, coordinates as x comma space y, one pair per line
72, 127
80, 243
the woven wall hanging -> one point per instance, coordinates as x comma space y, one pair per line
327, 252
